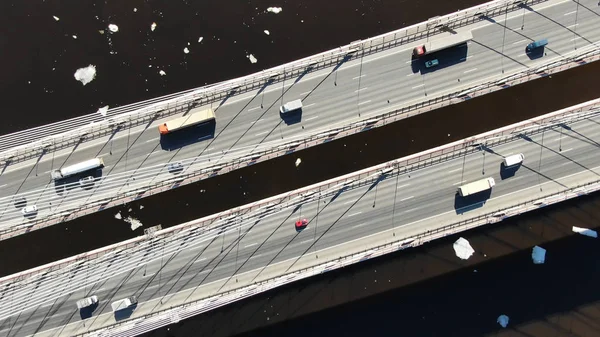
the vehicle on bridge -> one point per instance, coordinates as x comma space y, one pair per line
301, 224
86, 302
84, 166
195, 117
513, 160
29, 210
476, 187
537, 44
442, 43
292, 106
123, 304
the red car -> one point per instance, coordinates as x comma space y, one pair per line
301, 224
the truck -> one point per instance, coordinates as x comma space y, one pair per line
195, 117
537, 44
123, 303
86, 302
83, 166
476, 187
291, 106
442, 43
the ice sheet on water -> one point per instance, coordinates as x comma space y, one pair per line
298, 161
538, 255
86, 75
463, 249
585, 231
267, 32
118, 216
135, 223
502, 320
153, 26
275, 10
252, 58
113, 28
103, 110
56, 18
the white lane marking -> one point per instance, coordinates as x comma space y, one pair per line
101, 289
357, 213
411, 210
357, 77
523, 55
572, 26
309, 119
466, 58
255, 108
349, 202
567, 150
458, 169
573, 12
148, 275
3, 185
458, 183
365, 102
409, 62
361, 225
262, 133
253, 256
403, 185
418, 86
250, 245
412, 196
256, 121
311, 104
101, 155
361, 89
470, 70
305, 241
410, 74
152, 140
576, 38
304, 93
202, 259
519, 42
151, 153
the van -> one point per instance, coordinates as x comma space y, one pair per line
86, 302
513, 160
123, 304
537, 44
291, 106
29, 210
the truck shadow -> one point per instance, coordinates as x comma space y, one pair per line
67, 184
188, 136
465, 204
507, 172
292, 117
125, 313
88, 311
446, 58
535, 53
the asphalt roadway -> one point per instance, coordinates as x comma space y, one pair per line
251, 121
406, 203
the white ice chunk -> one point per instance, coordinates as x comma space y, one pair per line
267, 32
153, 26
502, 320
141, 206
298, 161
135, 223
186, 50
463, 249
200, 39
113, 28
75, 37
134, 9
538, 255
275, 10
86, 75
252, 58
162, 73
118, 216
103, 110
585, 231
56, 18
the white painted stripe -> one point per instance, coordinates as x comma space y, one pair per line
418, 86
365, 102
357, 213
200, 260
262, 133
403, 185
576, 38
304, 93
148, 275
361, 89
152, 140
361, 225
410, 74
3, 185
410, 210
519, 42
305, 241
250, 245
357, 77
310, 119
311, 104
567, 150
101, 155
470, 70
349, 202
573, 12
573, 26
412, 196
255, 108
256, 121
523, 55
458, 183
458, 169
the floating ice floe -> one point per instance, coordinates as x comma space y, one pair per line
153, 26
200, 39
103, 110
113, 28
538, 255
463, 249
86, 75
267, 32
275, 10
75, 37
141, 206
56, 18
135, 223
118, 216
162, 73
585, 231
502, 320
186, 50
134, 9
298, 161
252, 58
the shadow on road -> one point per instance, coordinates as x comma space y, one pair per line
465, 204
188, 136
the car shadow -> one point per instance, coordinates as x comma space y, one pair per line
507, 172
446, 58
292, 117
188, 136
465, 204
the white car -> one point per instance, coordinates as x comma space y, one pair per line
29, 210
89, 180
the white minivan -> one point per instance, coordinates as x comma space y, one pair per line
513, 160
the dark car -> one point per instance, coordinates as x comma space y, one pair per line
175, 167
301, 224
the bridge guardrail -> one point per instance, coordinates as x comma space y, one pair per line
93, 126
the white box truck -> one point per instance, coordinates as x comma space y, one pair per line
123, 304
291, 106
86, 302
513, 160
476, 187
77, 168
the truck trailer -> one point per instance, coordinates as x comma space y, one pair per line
84, 166
123, 304
442, 43
195, 117
476, 187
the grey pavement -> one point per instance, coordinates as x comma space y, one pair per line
250, 122
254, 247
